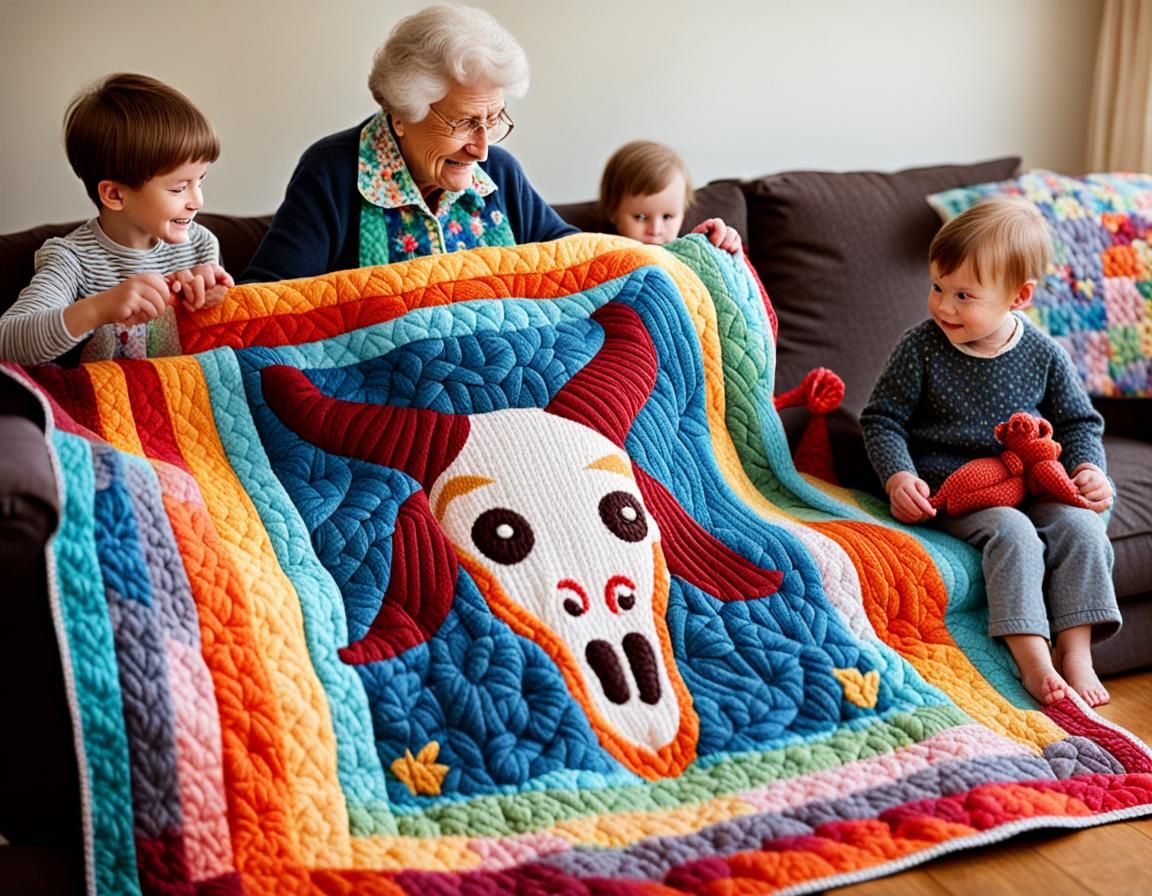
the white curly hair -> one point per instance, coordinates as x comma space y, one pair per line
439, 45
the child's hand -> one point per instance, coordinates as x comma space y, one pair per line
720, 234
138, 299
1093, 486
908, 497
201, 286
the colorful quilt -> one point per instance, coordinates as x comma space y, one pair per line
490, 573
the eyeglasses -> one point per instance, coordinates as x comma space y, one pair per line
467, 129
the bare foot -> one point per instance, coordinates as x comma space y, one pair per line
1037, 674
1077, 670
1045, 685
1073, 657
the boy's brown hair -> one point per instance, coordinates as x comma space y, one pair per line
640, 168
1006, 236
130, 128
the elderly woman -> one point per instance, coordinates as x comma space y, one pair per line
423, 175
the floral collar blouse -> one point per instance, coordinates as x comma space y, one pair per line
396, 223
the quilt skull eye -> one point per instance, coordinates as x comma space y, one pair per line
624, 516
503, 536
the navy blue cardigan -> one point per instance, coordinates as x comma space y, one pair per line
316, 230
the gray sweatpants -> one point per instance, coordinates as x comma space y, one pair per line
1043, 548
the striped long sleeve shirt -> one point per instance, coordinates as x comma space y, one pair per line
81, 264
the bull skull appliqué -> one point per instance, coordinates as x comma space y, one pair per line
570, 540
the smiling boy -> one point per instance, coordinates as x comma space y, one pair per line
142, 151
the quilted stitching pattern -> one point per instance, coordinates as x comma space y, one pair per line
218, 555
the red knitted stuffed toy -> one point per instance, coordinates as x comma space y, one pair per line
1027, 465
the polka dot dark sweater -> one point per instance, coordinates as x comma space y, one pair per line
935, 407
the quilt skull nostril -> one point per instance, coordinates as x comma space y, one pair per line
602, 658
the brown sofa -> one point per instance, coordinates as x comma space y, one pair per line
841, 254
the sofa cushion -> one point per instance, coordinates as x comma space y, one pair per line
719, 199
1094, 298
844, 258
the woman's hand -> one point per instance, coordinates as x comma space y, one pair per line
908, 498
720, 235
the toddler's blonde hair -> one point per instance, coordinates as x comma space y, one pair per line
1005, 239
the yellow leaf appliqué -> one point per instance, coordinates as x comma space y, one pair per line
861, 689
422, 774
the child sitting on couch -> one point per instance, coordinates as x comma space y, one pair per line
142, 150
645, 191
948, 382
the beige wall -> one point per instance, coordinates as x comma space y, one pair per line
752, 87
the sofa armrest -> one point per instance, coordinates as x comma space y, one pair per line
39, 791
42, 871
28, 496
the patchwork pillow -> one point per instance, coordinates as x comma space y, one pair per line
1096, 299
